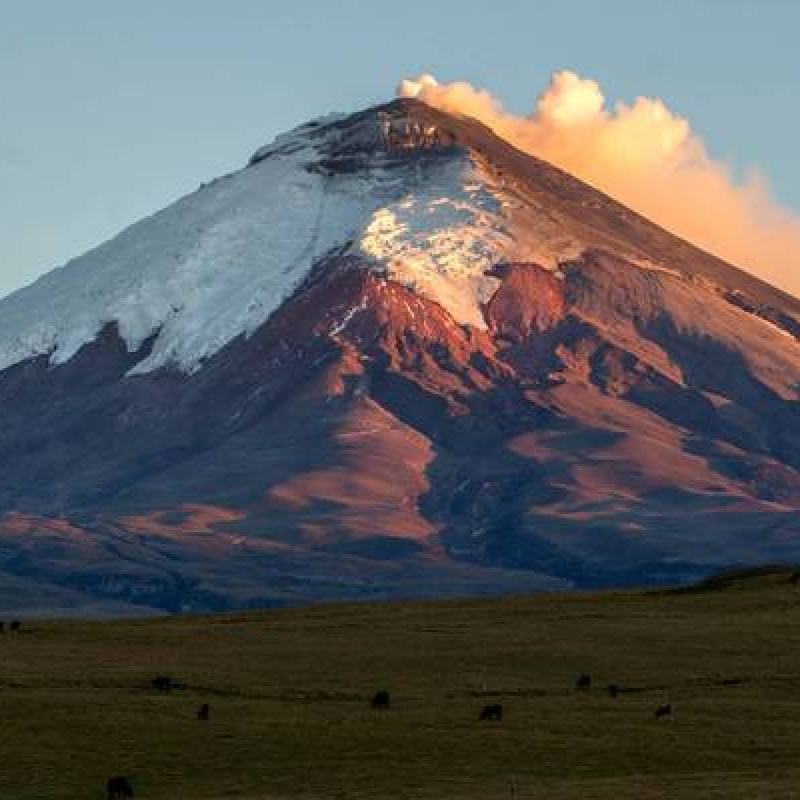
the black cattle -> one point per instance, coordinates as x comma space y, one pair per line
119, 788
494, 712
795, 578
381, 701
2, 627
664, 711
204, 712
584, 681
613, 689
162, 683
15, 626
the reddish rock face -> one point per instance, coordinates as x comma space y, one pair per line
614, 422
529, 302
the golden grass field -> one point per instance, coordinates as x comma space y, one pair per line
290, 690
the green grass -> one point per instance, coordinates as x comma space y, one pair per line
290, 690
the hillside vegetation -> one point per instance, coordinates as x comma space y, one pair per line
290, 692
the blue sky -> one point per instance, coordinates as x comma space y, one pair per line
110, 110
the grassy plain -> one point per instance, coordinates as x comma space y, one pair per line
289, 692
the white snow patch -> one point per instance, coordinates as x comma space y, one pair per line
348, 317
652, 266
442, 237
208, 268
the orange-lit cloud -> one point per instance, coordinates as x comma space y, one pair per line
647, 157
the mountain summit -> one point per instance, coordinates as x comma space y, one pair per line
392, 356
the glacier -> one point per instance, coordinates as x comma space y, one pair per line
215, 264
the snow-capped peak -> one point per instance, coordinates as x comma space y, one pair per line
217, 263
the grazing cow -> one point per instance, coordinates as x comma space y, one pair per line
16, 626
381, 701
664, 711
795, 579
162, 683
119, 788
613, 689
204, 712
492, 712
584, 681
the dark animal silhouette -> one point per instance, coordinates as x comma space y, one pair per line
664, 711
494, 712
204, 712
584, 681
2, 627
795, 578
119, 788
381, 701
613, 690
16, 626
162, 683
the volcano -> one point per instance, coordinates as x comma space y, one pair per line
392, 356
